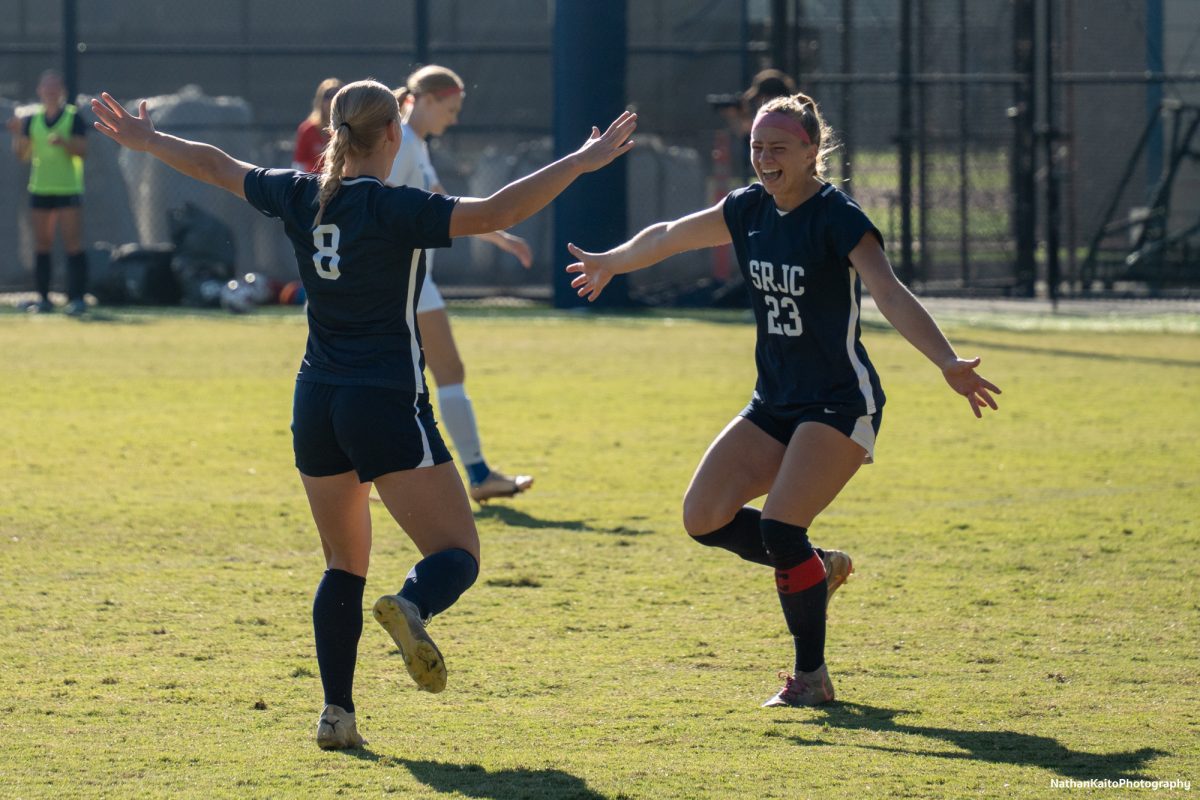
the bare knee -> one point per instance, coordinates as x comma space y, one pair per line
702, 515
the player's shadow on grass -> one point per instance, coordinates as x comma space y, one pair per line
1007, 747
1160, 361
473, 780
519, 519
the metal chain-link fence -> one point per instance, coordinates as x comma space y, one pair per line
949, 142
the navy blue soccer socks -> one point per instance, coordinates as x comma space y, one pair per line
338, 623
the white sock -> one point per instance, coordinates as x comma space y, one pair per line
458, 417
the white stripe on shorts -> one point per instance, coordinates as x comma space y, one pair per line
410, 318
864, 436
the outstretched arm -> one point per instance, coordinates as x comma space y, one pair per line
525, 197
705, 228
910, 318
194, 159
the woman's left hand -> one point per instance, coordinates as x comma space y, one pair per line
960, 374
601, 148
515, 245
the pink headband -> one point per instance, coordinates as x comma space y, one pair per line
784, 122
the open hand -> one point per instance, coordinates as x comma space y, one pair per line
600, 149
960, 374
515, 245
119, 125
592, 276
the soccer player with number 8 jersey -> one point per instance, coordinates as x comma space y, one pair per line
804, 248
361, 412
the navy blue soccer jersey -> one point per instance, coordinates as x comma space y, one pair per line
362, 270
806, 297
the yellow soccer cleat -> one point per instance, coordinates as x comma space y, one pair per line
424, 661
838, 568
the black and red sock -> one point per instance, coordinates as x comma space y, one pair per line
800, 582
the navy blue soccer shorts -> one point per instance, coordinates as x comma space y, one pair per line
781, 425
369, 429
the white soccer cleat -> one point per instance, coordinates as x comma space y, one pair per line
497, 484
336, 729
804, 689
424, 661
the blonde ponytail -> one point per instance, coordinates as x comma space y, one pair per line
358, 117
331, 173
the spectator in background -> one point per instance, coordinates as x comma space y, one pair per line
767, 85
313, 133
738, 110
52, 140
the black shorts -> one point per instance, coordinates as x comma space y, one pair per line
369, 429
48, 202
781, 425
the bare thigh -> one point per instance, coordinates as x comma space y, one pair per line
441, 353
339, 507
818, 463
740, 465
431, 505
44, 221
71, 225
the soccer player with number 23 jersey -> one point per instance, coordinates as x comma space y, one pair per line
804, 248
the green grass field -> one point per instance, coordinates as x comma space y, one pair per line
1025, 609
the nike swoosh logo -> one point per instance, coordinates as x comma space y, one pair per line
752, 233
830, 411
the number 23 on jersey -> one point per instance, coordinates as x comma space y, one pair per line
783, 315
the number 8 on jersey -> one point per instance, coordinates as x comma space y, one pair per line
327, 251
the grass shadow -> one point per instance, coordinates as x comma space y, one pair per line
1001, 747
519, 519
473, 780
1083, 354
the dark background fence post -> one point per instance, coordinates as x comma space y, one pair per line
421, 32
904, 142
1024, 144
69, 49
1050, 133
589, 54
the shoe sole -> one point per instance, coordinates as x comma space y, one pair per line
840, 567
776, 702
483, 496
421, 656
334, 742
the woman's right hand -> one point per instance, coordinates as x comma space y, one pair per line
592, 276
14, 125
119, 125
